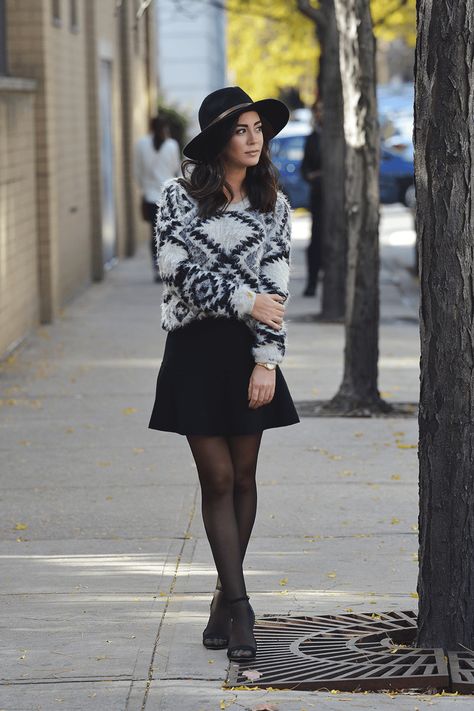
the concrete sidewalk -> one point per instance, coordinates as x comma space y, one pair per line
106, 571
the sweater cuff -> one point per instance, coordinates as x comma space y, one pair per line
269, 353
243, 300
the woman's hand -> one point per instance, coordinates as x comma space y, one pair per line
261, 387
269, 309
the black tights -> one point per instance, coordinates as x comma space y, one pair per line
227, 468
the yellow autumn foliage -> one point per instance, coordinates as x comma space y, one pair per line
271, 45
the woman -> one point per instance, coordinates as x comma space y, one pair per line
223, 234
157, 159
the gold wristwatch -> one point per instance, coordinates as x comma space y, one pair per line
268, 366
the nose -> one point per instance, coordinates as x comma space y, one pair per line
253, 135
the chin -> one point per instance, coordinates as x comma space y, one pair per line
251, 160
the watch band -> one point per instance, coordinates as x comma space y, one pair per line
268, 366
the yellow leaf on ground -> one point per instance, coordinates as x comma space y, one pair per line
415, 595
395, 520
400, 445
129, 410
21, 526
331, 574
283, 581
396, 477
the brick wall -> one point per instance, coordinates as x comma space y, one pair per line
18, 248
57, 143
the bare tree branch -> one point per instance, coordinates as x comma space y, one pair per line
400, 4
312, 13
238, 8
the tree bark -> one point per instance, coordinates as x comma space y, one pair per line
444, 172
358, 393
333, 165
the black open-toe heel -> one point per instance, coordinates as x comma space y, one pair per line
247, 651
214, 637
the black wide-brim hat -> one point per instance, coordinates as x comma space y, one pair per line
219, 108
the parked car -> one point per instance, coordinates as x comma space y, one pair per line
287, 150
396, 177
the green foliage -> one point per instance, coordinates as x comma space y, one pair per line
177, 121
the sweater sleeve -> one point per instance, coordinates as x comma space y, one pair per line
270, 343
210, 292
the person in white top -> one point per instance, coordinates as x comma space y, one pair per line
157, 159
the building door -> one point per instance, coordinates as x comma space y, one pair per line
109, 227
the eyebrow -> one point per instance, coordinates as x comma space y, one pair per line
246, 124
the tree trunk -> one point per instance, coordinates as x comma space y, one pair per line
358, 393
333, 144
335, 225
444, 172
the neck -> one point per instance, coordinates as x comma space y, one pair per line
235, 176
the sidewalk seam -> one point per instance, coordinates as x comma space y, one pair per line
186, 537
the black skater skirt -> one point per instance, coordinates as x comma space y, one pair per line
203, 383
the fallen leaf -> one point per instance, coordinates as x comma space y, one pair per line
265, 707
331, 575
283, 581
415, 595
400, 445
21, 526
395, 520
129, 410
395, 477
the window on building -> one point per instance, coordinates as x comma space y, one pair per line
74, 23
56, 12
3, 39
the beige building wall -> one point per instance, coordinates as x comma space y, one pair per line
64, 175
18, 247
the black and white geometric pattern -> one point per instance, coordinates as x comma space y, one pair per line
215, 266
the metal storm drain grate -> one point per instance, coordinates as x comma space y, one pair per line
461, 666
346, 652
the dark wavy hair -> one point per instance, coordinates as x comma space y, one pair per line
205, 180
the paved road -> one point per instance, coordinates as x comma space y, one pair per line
106, 572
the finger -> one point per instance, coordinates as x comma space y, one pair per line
254, 396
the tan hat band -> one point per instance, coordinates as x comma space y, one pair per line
227, 112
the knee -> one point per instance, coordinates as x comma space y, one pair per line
244, 480
217, 484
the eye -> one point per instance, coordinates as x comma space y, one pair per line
239, 130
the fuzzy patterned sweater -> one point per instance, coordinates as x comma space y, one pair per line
215, 266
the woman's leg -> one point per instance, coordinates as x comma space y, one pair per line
244, 452
216, 475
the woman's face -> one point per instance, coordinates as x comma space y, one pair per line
245, 145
